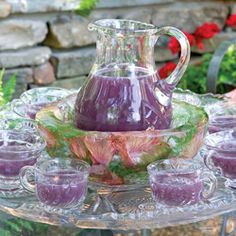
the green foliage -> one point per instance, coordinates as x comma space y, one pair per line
7, 89
59, 128
227, 74
190, 116
85, 7
19, 227
2, 101
118, 168
195, 77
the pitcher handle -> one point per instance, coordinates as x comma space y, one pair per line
176, 75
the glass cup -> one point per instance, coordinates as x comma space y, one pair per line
179, 182
219, 155
34, 100
221, 123
19, 124
18, 148
59, 183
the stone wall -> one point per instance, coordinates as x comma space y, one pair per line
46, 43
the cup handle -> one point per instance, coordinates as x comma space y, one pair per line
14, 106
210, 184
25, 173
209, 164
176, 75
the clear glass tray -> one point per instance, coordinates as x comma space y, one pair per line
124, 210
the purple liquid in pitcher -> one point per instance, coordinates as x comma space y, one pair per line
127, 102
15, 156
225, 159
62, 190
177, 189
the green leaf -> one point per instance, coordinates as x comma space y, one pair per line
4, 232
85, 7
9, 88
58, 127
26, 224
195, 76
118, 168
13, 226
2, 101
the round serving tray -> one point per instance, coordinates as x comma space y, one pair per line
133, 209
126, 209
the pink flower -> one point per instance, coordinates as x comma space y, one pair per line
100, 148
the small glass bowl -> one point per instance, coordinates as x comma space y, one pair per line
34, 100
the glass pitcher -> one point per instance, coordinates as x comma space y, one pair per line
123, 91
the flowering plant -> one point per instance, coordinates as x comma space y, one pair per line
166, 70
204, 31
174, 45
231, 21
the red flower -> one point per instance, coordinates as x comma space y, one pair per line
199, 43
205, 31
231, 21
174, 45
166, 70
190, 38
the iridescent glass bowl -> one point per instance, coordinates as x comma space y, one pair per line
121, 158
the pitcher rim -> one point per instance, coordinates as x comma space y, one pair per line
99, 24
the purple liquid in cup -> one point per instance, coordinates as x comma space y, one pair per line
36, 99
177, 189
225, 159
18, 149
64, 189
16, 155
221, 123
11, 163
124, 102
59, 183
33, 109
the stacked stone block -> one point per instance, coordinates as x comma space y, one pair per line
47, 43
